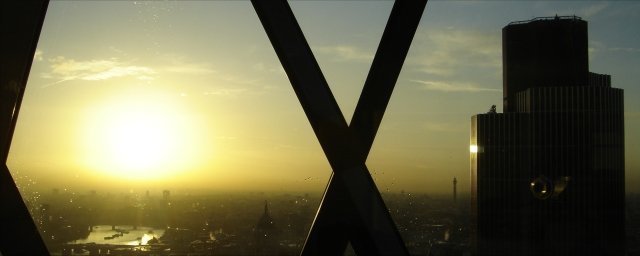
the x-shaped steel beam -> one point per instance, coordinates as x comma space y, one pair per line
352, 208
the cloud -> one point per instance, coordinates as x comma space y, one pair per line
625, 49
193, 69
585, 12
592, 10
179, 64
63, 69
119, 71
452, 87
225, 92
346, 53
66, 69
448, 52
38, 56
266, 68
596, 48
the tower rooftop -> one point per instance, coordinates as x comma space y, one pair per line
551, 18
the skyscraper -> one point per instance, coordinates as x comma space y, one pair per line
547, 175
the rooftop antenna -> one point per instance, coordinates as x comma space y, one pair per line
492, 110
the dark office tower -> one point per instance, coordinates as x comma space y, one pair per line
547, 176
543, 52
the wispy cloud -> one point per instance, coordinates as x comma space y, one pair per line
180, 64
266, 68
346, 53
596, 48
189, 69
67, 69
450, 51
452, 86
585, 12
625, 49
591, 10
225, 92
38, 56
63, 69
141, 73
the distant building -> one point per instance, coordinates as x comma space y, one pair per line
547, 175
166, 195
455, 189
266, 234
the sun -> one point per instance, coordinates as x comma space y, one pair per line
139, 139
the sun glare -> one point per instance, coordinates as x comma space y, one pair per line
142, 139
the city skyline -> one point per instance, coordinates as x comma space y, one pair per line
214, 84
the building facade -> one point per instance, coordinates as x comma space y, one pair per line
548, 174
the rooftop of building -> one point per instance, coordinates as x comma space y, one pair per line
552, 18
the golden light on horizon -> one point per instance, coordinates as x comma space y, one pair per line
140, 138
103, 102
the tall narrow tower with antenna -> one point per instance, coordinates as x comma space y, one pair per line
455, 189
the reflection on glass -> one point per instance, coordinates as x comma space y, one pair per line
540, 187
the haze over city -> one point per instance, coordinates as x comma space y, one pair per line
175, 95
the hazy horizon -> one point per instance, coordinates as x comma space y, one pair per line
172, 95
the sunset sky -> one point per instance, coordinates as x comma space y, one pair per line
190, 94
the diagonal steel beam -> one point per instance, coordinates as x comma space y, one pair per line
371, 229
21, 25
383, 74
385, 69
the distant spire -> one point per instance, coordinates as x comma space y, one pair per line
455, 190
266, 208
265, 222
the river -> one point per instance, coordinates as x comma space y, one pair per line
123, 235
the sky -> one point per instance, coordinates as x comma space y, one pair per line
190, 94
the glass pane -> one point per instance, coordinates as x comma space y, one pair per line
420, 159
176, 117
164, 126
